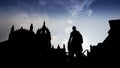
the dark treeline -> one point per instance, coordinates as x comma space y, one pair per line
24, 47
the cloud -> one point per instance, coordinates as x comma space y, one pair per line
73, 7
70, 22
68, 29
54, 40
81, 6
89, 12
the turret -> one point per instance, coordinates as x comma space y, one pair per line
58, 47
43, 27
11, 32
31, 27
12, 29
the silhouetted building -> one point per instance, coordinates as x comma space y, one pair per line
107, 52
23, 45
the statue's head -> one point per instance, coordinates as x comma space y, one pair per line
74, 28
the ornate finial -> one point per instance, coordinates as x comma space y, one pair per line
44, 23
21, 27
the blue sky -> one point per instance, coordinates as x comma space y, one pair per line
89, 16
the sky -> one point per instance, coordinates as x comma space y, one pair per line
89, 16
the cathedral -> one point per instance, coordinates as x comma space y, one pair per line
25, 45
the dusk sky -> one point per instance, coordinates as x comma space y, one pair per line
89, 16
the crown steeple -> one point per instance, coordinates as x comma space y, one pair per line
31, 27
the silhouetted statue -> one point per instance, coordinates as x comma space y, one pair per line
75, 43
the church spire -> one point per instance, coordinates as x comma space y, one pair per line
11, 32
31, 27
12, 29
58, 46
44, 27
44, 23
